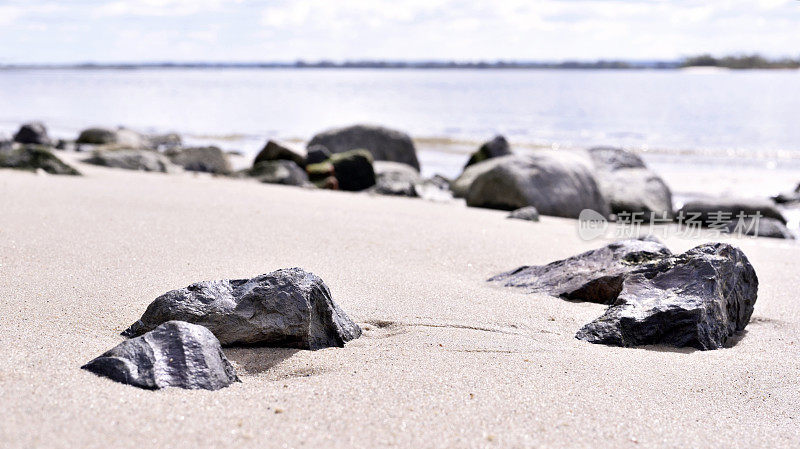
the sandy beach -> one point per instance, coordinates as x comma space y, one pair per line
446, 359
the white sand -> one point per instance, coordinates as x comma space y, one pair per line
446, 359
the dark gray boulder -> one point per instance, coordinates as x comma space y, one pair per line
144, 160
528, 213
351, 170
496, 147
202, 159
279, 172
721, 210
611, 158
33, 133
556, 183
174, 354
763, 227
383, 143
700, 299
274, 151
594, 276
316, 154
632, 190
34, 157
285, 308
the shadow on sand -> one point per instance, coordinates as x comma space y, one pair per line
255, 360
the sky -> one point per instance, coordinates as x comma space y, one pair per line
76, 31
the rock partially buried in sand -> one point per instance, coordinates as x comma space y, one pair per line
560, 184
120, 137
593, 276
528, 213
612, 159
636, 190
698, 299
286, 308
394, 178
351, 170
721, 210
763, 227
33, 133
144, 160
33, 157
383, 143
279, 172
202, 159
174, 354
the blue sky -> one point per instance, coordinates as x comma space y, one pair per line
41, 31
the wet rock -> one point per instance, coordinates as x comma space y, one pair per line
274, 151
33, 133
280, 172
34, 157
701, 299
285, 308
528, 213
202, 159
594, 276
317, 154
174, 354
556, 183
636, 190
496, 147
763, 227
144, 160
611, 158
722, 210
383, 143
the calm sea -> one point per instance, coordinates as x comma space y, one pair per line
750, 113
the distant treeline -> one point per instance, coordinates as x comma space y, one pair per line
732, 62
741, 62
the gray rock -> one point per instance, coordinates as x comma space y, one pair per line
144, 160
395, 178
460, 186
707, 211
383, 143
174, 354
594, 276
701, 299
287, 308
280, 172
528, 213
35, 157
556, 183
274, 151
632, 190
496, 147
763, 227
611, 159
164, 141
202, 159
120, 138
33, 133
316, 154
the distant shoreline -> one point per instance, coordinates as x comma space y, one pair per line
741, 62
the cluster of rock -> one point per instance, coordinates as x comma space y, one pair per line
702, 298
177, 341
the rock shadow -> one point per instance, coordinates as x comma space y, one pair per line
256, 360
